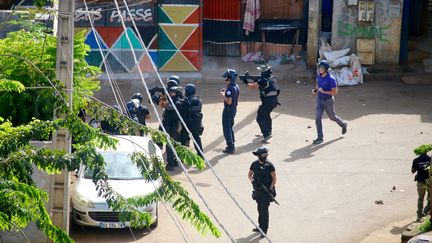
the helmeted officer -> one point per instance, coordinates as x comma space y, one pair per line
174, 80
326, 88
142, 112
132, 109
269, 92
262, 174
171, 122
231, 95
192, 116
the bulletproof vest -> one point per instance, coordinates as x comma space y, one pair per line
271, 89
193, 107
169, 115
141, 113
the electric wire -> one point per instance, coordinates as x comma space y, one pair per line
164, 130
107, 67
190, 134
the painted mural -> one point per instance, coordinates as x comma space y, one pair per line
171, 33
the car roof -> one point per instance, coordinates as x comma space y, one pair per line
128, 143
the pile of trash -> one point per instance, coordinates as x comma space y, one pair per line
345, 68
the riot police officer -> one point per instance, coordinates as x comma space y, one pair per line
269, 92
192, 116
132, 109
174, 80
142, 112
231, 95
262, 174
171, 122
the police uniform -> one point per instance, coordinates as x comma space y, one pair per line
262, 176
192, 116
171, 122
269, 92
229, 112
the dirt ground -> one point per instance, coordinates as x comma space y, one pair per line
327, 193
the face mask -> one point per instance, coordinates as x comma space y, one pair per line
262, 158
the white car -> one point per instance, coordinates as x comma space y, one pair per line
123, 176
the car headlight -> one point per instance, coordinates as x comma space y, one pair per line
83, 201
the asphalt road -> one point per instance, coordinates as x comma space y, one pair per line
327, 193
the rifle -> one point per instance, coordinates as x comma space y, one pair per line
244, 78
267, 191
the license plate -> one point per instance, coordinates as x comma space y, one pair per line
112, 225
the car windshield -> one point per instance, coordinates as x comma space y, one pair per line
119, 167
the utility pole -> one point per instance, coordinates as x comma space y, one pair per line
59, 202
314, 30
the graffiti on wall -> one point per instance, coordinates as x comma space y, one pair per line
368, 32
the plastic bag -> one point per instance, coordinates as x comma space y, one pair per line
356, 69
340, 62
333, 55
343, 76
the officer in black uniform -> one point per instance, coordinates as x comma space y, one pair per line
171, 122
262, 174
192, 116
174, 80
269, 92
142, 112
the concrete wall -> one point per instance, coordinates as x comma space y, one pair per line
385, 29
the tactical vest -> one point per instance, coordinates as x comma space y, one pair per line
271, 89
193, 115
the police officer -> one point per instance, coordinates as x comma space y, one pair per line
421, 166
262, 174
231, 94
132, 109
326, 88
192, 116
171, 122
142, 112
269, 92
174, 80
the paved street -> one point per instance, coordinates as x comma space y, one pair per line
327, 193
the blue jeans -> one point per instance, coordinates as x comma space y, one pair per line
327, 105
228, 115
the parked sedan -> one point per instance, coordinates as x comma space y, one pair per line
124, 177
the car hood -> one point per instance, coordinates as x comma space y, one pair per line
126, 188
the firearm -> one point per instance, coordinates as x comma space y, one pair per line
246, 77
271, 194
157, 94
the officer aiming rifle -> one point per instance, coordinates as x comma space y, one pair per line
269, 92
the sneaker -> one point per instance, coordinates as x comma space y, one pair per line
255, 230
318, 141
344, 128
228, 150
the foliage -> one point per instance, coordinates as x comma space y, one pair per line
27, 59
423, 149
425, 226
39, 47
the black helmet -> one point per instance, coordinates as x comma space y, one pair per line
265, 70
230, 74
260, 151
324, 64
173, 89
173, 80
190, 89
137, 96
